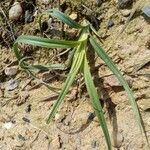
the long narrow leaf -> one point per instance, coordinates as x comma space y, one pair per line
121, 79
73, 71
45, 42
95, 102
64, 18
42, 42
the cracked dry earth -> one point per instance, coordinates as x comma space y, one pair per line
23, 110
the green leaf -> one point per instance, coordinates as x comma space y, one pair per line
42, 42
95, 101
64, 18
45, 42
121, 79
78, 58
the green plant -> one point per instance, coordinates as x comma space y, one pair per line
79, 63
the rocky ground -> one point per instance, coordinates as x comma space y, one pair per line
25, 103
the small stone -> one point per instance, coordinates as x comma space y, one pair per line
11, 85
46, 2
56, 144
8, 125
145, 104
99, 2
20, 137
28, 17
148, 43
124, 3
57, 117
111, 81
146, 11
73, 16
26, 119
125, 12
15, 11
94, 144
110, 23
28, 108
11, 71
90, 116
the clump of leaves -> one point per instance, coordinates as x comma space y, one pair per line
79, 63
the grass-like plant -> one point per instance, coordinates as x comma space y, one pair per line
79, 63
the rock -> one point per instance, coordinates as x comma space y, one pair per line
111, 81
122, 4
147, 93
73, 16
8, 125
99, 2
28, 17
20, 137
145, 105
26, 119
94, 144
15, 11
146, 11
11, 85
11, 71
110, 23
125, 12
90, 115
55, 144
46, 2
28, 108
58, 117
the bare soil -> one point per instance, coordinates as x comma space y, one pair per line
75, 126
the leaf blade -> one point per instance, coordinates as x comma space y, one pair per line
73, 71
95, 102
45, 42
64, 18
121, 79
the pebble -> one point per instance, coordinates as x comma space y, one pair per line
28, 17
145, 105
11, 85
111, 81
90, 116
73, 16
94, 144
55, 143
28, 108
146, 11
125, 12
15, 11
11, 71
110, 23
46, 2
99, 2
122, 4
8, 125
57, 117
26, 119
21, 137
